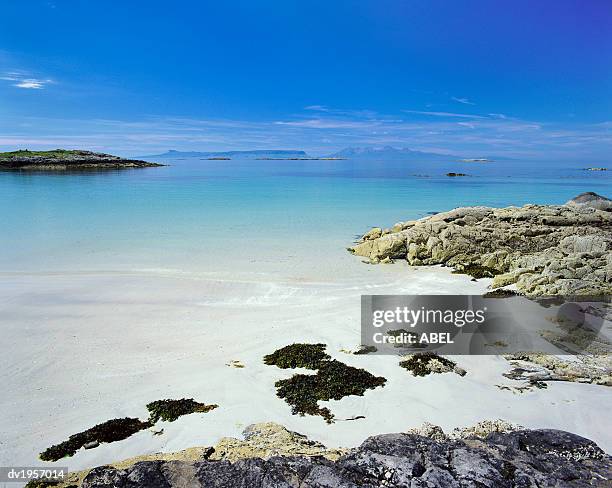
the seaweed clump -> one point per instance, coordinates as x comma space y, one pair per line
109, 431
47, 482
119, 429
42, 483
170, 410
333, 381
309, 356
500, 293
477, 271
422, 364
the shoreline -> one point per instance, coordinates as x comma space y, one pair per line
104, 342
178, 345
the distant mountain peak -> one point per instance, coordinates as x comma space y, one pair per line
388, 152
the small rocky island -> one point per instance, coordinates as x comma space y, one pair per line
66, 160
540, 249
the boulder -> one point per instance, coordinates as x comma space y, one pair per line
592, 200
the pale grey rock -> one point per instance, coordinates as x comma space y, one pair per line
542, 249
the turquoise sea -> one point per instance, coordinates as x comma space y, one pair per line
119, 288
197, 214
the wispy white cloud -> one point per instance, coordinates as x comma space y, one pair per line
467, 124
327, 132
444, 114
463, 100
31, 83
318, 108
330, 123
20, 79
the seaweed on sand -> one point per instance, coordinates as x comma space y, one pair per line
334, 380
49, 482
119, 429
298, 356
170, 410
420, 364
46, 483
500, 293
109, 431
477, 271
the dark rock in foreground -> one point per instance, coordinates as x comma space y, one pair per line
524, 458
66, 160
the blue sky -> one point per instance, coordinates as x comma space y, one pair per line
515, 78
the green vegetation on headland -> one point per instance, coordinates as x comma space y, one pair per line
333, 381
54, 154
65, 159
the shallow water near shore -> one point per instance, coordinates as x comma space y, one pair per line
199, 214
120, 288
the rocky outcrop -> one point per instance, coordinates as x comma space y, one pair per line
535, 368
542, 249
481, 430
591, 199
270, 439
496, 457
63, 160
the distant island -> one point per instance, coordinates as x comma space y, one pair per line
301, 159
391, 154
63, 159
367, 153
256, 154
361, 153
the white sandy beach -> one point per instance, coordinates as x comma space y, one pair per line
82, 347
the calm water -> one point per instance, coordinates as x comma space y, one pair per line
197, 211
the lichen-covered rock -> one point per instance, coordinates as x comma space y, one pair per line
430, 431
270, 439
542, 249
483, 429
535, 368
523, 458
